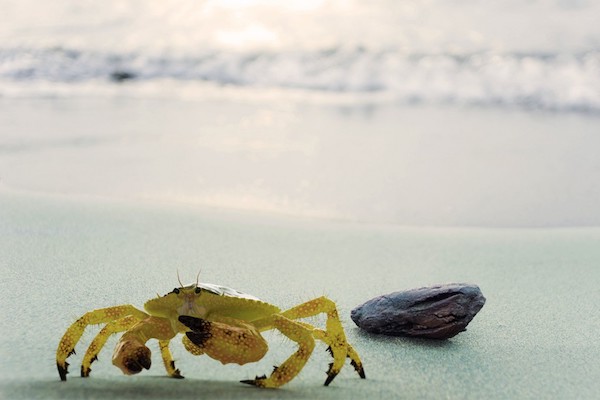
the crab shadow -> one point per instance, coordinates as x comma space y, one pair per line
159, 388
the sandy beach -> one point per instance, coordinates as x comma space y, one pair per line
60, 257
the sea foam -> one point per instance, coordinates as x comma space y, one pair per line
542, 55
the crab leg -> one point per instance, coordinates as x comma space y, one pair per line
112, 327
351, 353
323, 336
333, 336
285, 372
168, 359
66, 346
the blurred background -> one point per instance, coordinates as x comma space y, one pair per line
420, 112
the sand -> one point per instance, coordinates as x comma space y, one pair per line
536, 337
403, 165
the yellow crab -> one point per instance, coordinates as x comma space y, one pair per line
223, 323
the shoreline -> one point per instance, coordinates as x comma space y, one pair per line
255, 216
408, 166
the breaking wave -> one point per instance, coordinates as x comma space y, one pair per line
561, 82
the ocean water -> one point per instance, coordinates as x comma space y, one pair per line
420, 112
542, 54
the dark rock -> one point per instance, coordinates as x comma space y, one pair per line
436, 312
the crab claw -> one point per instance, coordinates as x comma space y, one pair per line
131, 356
200, 329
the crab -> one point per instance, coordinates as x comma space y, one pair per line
223, 323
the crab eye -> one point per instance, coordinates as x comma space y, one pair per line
198, 290
176, 291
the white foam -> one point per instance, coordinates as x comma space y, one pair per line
541, 54
557, 82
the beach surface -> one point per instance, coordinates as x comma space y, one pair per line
60, 257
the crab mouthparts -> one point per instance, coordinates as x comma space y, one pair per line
189, 307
